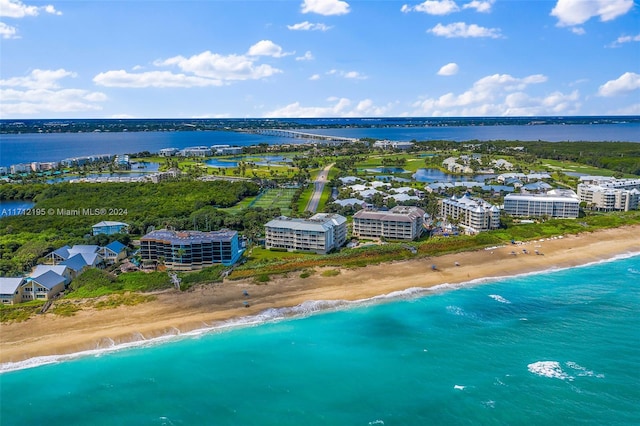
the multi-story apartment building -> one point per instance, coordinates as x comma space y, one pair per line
399, 223
554, 204
319, 234
473, 214
190, 250
608, 194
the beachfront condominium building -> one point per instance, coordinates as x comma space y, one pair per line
557, 203
399, 223
320, 234
472, 214
606, 199
608, 194
190, 250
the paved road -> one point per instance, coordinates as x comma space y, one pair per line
318, 184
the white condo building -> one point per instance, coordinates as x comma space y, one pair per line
474, 214
608, 194
557, 203
320, 234
399, 223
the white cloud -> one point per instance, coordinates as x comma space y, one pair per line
308, 56
347, 74
341, 107
624, 39
7, 31
201, 70
220, 67
267, 48
480, 6
39, 79
314, 77
52, 10
578, 30
354, 75
461, 29
633, 109
325, 7
449, 69
499, 94
308, 26
41, 92
17, 9
161, 79
433, 7
627, 82
577, 12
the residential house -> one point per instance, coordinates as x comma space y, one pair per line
62, 270
113, 252
502, 164
109, 227
168, 152
43, 287
66, 252
11, 290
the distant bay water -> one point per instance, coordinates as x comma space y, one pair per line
42, 147
552, 348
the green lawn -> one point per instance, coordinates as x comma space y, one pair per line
277, 197
568, 166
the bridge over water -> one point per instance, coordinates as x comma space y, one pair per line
301, 135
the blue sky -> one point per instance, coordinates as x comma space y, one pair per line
318, 58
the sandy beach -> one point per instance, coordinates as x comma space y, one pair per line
207, 306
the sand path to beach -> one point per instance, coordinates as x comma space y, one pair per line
207, 306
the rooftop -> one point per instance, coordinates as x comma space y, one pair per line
189, 237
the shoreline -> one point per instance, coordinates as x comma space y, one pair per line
218, 307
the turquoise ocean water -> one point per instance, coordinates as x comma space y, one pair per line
559, 347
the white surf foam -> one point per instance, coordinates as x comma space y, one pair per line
272, 315
459, 387
551, 369
582, 371
499, 298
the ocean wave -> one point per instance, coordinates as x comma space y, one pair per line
499, 298
633, 271
501, 278
551, 369
271, 315
582, 371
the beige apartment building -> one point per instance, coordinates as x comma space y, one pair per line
320, 233
399, 223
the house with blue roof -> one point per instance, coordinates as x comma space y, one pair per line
44, 287
113, 252
76, 264
58, 255
11, 290
61, 270
539, 186
109, 227
66, 252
